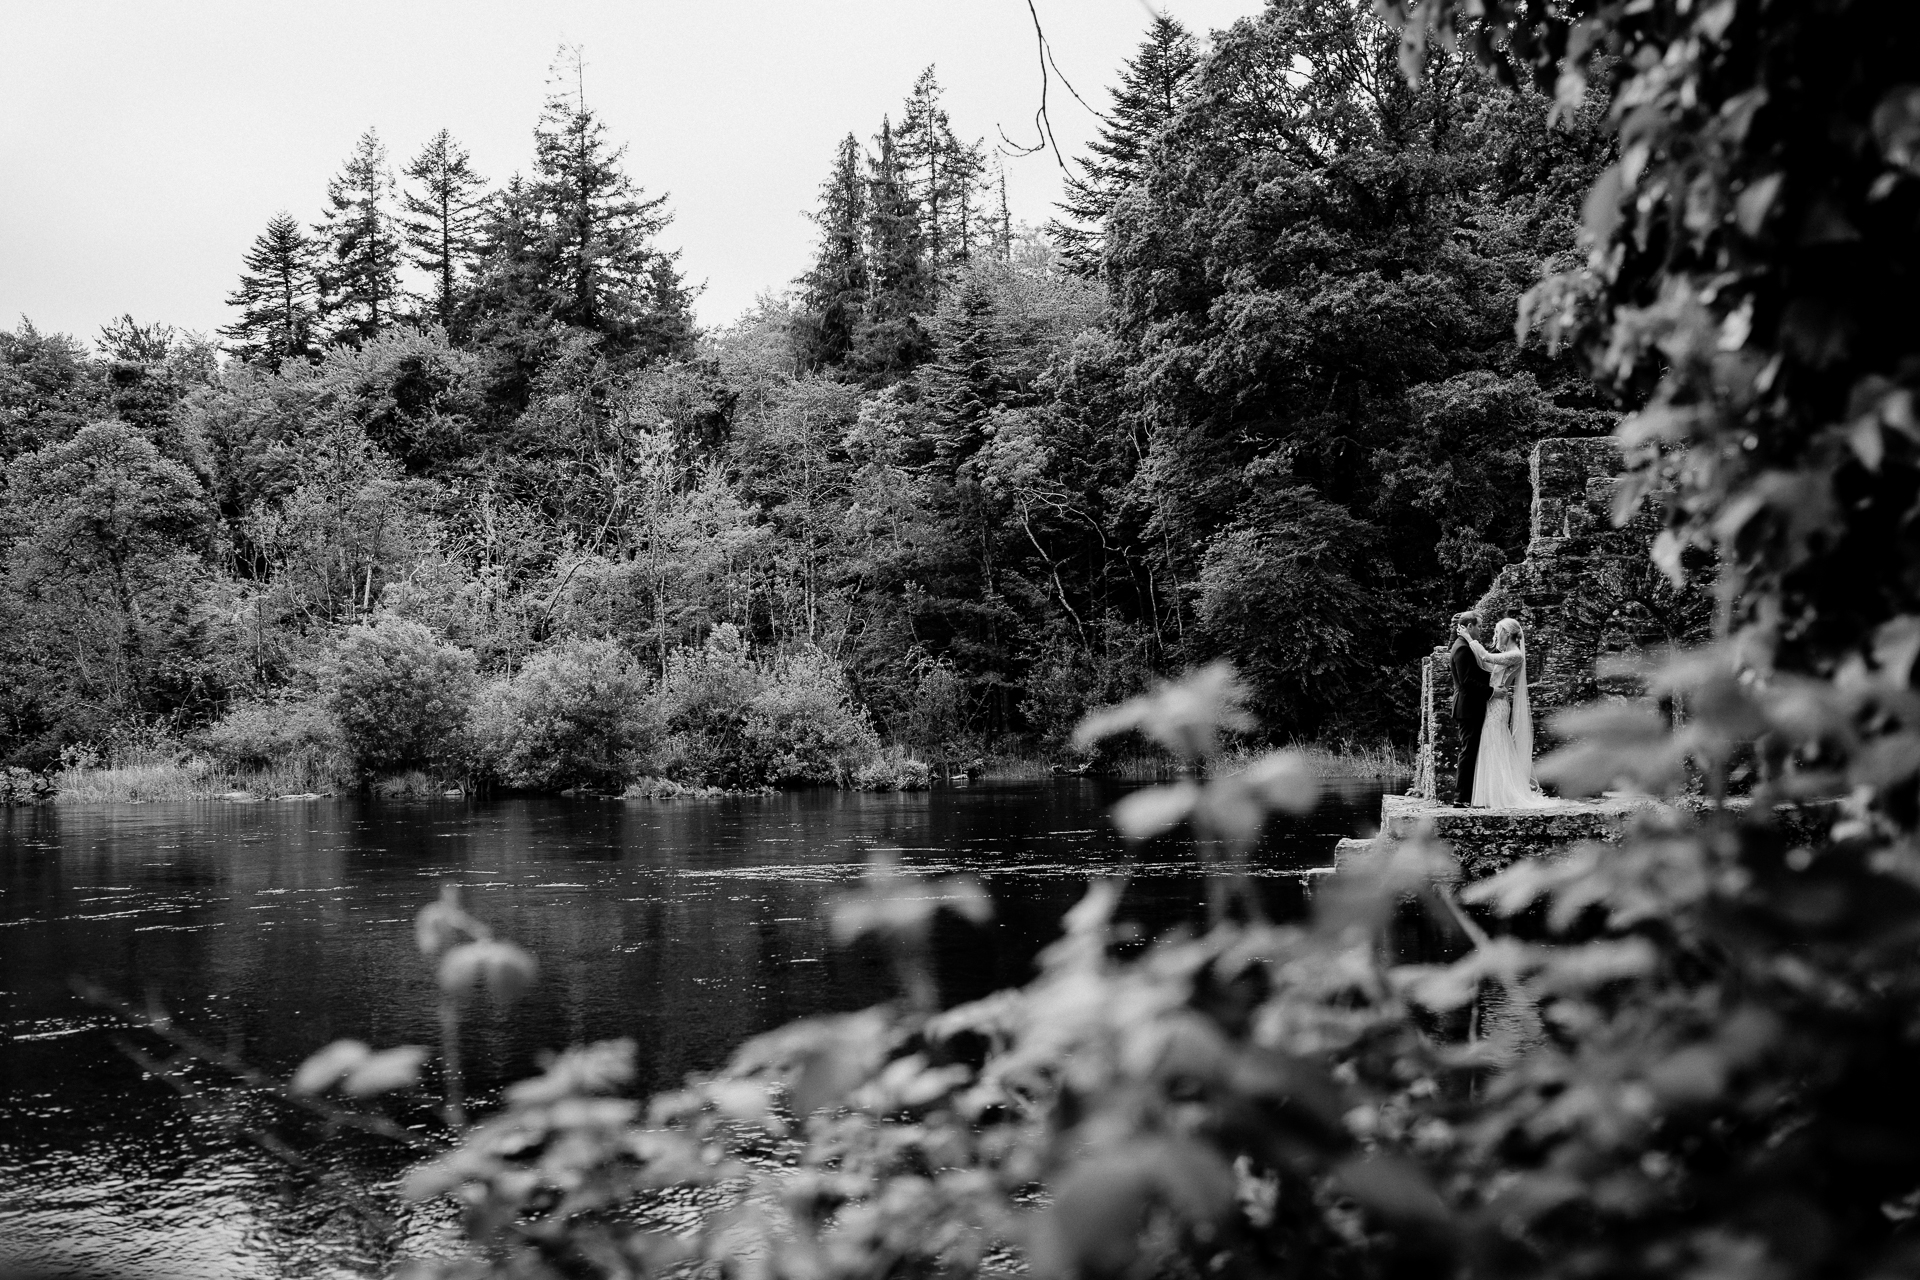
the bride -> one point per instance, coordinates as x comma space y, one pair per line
1503, 770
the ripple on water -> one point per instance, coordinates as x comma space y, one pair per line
275, 929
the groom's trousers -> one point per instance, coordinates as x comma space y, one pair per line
1472, 720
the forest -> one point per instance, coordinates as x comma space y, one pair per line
1261, 393
464, 490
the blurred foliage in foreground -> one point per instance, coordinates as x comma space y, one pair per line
1695, 1053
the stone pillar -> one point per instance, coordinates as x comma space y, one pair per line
1584, 590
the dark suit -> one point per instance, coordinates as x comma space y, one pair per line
1470, 688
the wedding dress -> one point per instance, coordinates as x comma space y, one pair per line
1503, 770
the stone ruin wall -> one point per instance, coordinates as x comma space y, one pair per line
1586, 590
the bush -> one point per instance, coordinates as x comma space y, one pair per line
23, 786
734, 722
574, 715
276, 735
802, 727
893, 770
401, 696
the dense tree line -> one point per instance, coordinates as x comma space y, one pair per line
1255, 395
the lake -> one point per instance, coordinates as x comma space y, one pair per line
271, 929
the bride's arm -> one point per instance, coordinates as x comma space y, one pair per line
1492, 661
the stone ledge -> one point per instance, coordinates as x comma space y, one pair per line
1488, 840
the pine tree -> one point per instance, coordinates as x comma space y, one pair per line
1002, 221
964, 382
441, 221
1153, 87
942, 176
834, 290
360, 263
890, 340
602, 271
277, 296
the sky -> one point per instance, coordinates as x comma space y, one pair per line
145, 143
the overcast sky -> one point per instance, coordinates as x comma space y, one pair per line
143, 144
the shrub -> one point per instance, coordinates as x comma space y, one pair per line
734, 722
401, 696
23, 786
276, 735
801, 726
893, 770
574, 715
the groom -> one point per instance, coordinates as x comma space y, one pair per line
1470, 689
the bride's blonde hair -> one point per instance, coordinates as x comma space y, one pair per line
1503, 629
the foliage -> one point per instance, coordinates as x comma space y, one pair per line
359, 275
23, 786
1685, 1055
733, 721
299, 738
401, 695
995, 482
574, 715
278, 296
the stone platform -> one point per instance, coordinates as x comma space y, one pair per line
1487, 840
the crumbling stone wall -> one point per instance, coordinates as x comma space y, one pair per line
1585, 590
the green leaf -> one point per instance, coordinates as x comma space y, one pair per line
1751, 207
1395, 1189
326, 1068
386, 1071
1154, 811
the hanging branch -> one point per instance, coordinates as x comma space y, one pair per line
1042, 119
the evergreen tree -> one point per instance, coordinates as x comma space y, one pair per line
441, 220
360, 264
1153, 86
964, 381
1002, 228
602, 271
277, 297
834, 290
891, 341
942, 177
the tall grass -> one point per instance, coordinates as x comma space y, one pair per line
142, 783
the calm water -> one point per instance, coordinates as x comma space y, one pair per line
272, 929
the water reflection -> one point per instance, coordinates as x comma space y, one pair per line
275, 928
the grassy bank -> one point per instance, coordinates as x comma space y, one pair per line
1344, 758
193, 779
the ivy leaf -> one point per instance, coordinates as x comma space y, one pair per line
386, 1071
326, 1068
1394, 1188
1154, 811
505, 970
1896, 127
1751, 207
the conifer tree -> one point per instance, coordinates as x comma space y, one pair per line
1153, 86
360, 262
441, 221
834, 290
277, 297
891, 340
964, 382
942, 176
1002, 220
602, 271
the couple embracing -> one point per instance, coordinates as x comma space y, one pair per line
1495, 768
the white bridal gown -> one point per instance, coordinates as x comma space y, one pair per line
1503, 771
